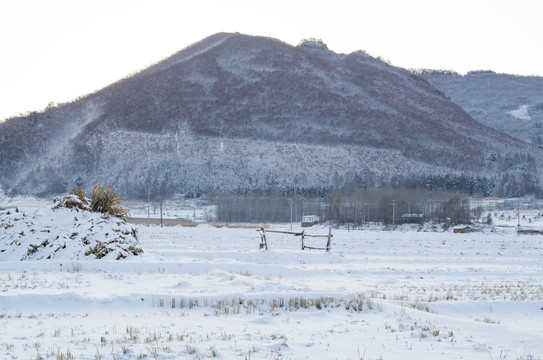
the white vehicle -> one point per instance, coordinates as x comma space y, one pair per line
310, 220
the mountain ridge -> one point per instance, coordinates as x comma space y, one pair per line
229, 89
509, 103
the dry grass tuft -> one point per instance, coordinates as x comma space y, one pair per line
80, 193
103, 200
107, 202
101, 250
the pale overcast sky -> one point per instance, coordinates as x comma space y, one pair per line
56, 50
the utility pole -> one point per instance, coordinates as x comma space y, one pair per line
393, 214
161, 213
148, 208
518, 215
290, 214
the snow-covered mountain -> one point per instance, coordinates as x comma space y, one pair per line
235, 113
510, 103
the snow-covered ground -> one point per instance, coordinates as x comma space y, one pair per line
204, 292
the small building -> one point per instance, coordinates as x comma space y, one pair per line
412, 218
461, 229
310, 220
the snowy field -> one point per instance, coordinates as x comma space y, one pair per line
204, 292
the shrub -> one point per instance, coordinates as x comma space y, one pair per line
107, 202
488, 220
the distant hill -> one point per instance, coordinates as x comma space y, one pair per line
236, 113
510, 103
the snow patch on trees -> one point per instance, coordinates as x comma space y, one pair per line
521, 113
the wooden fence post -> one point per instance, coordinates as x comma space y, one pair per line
263, 242
303, 247
329, 242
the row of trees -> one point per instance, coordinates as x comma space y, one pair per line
272, 207
358, 207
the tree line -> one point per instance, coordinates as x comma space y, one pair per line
358, 207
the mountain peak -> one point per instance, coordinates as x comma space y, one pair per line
313, 44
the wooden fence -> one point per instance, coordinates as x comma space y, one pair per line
264, 242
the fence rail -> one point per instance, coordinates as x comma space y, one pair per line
264, 242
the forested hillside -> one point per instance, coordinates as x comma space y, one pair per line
512, 104
236, 114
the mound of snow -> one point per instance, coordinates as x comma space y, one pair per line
68, 230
